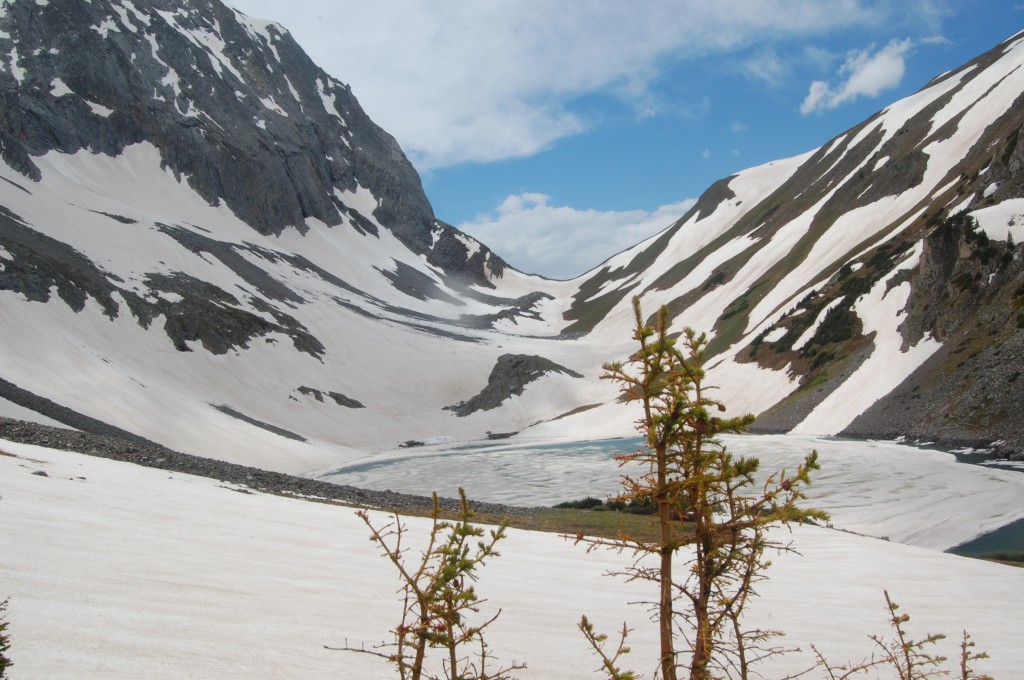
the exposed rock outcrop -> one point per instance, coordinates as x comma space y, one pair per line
510, 376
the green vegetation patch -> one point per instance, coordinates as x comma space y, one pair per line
839, 325
1012, 558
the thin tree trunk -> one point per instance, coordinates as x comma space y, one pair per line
702, 640
665, 613
666, 619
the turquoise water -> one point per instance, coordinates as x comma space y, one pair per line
1009, 538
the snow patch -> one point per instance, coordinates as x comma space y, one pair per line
169, 297
269, 103
105, 27
99, 109
472, 245
215, 47
747, 387
154, 47
360, 199
12, 64
295, 93
942, 190
1002, 220
329, 101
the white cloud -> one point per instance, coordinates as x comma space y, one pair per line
768, 67
462, 80
561, 242
863, 74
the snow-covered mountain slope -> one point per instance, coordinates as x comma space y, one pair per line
205, 242
117, 571
872, 286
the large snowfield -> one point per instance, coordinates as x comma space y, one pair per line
119, 571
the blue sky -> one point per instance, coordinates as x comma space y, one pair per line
560, 133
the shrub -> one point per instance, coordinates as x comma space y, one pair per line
907, 658
5, 641
837, 326
587, 503
438, 594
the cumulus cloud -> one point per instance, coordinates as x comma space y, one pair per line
561, 242
463, 81
865, 73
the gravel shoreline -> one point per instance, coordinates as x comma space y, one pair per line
148, 454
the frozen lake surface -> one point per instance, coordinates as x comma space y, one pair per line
876, 488
513, 473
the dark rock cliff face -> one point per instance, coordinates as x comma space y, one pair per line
969, 294
233, 105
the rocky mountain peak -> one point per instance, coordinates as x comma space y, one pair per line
233, 104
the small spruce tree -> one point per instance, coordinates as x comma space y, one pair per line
437, 594
708, 505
